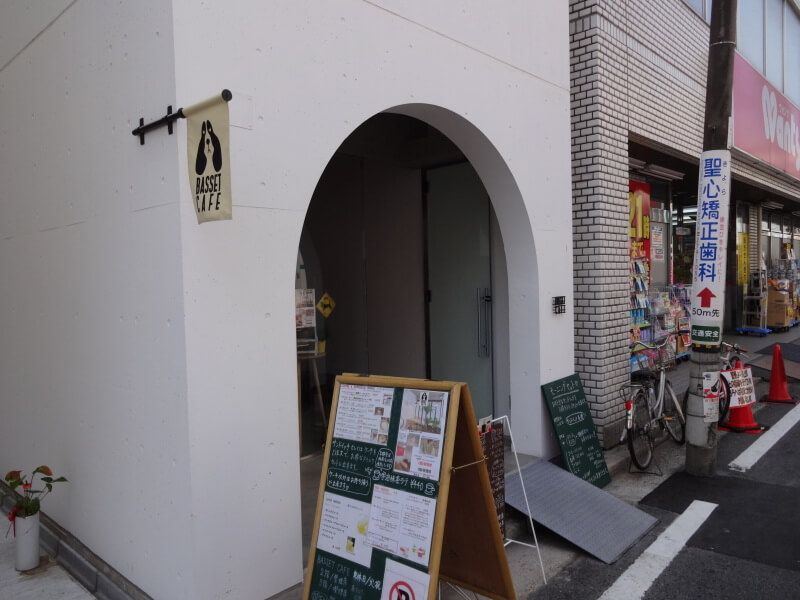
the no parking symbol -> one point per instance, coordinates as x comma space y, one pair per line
401, 582
401, 591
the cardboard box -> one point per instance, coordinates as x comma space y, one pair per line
778, 297
779, 315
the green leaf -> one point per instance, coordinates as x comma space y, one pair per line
44, 470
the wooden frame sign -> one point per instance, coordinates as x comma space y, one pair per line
404, 498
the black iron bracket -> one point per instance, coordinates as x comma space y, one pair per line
167, 119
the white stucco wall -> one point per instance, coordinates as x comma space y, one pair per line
92, 352
151, 360
309, 74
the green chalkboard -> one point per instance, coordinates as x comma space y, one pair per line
575, 430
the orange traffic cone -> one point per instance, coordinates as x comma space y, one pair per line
778, 388
741, 420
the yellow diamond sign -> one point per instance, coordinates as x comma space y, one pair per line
326, 305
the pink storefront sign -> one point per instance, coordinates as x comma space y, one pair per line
766, 124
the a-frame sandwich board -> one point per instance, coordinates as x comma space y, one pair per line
404, 497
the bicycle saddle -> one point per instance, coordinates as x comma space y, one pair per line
642, 375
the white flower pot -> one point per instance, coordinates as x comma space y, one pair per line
27, 534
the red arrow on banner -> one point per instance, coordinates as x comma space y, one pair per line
705, 298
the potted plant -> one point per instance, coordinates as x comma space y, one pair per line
24, 516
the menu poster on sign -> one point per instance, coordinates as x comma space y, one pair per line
400, 523
420, 439
343, 531
375, 522
363, 414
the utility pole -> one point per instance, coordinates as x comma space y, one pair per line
711, 238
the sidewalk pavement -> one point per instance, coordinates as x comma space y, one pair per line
51, 581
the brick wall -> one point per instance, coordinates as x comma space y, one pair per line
638, 72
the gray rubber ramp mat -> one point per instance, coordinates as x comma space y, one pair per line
594, 520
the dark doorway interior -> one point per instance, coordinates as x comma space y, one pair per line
365, 243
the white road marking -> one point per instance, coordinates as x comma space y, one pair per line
765, 441
638, 578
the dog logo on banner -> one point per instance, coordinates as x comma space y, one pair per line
209, 162
209, 146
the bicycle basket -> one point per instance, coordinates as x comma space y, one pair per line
666, 356
642, 360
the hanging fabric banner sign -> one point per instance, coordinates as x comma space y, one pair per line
208, 151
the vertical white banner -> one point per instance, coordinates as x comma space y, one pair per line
208, 151
711, 244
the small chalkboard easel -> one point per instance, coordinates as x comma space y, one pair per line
404, 498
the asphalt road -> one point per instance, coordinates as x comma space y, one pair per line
747, 547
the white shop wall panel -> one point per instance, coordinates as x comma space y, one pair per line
92, 362
314, 75
23, 21
153, 358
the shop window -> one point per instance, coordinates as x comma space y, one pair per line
750, 32
702, 8
775, 225
774, 45
768, 36
791, 82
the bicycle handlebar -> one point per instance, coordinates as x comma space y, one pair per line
662, 343
734, 347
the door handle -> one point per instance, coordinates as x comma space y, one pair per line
480, 319
483, 299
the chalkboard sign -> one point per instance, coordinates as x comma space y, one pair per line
380, 525
493, 446
575, 430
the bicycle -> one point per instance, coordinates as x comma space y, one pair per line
730, 354
651, 405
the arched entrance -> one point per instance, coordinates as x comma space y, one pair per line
406, 233
401, 236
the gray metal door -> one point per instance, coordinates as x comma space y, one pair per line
459, 281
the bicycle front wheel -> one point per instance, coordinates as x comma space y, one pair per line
674, 417
640, 439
